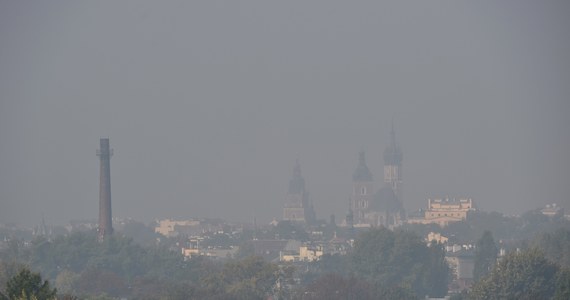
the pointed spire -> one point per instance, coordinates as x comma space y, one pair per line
393, 153
393, 134
297, 183
361, 158
297, 168
362, 173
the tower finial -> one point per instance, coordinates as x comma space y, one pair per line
362, 158
297, 168
393, 133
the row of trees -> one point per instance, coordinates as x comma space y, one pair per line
540, 271
28, 286
383, 261
525, 227
397, 264
524, 275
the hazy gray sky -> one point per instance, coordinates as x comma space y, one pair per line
208, 103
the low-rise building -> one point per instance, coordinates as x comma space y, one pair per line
461, 262
437, 237
170, 228
305, 254
552, 210
444, 211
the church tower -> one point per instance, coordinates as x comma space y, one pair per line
297, 206
393, 166
362, 190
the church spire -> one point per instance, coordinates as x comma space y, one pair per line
393, 134
393, 153
297, 169
362, 173
297, 183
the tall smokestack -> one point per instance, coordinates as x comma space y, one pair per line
105, 222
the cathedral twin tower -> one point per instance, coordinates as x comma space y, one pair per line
385, 207
367, 208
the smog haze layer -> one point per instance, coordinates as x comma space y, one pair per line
208, 104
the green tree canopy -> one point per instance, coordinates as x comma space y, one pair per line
525, 275
29, 285
485, 255
250, 278
401, 258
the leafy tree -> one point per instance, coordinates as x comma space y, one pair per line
245, 249
8, 270
95, 281
140, 233
525, 275
401, 258
438, 274
334, 286
562, 285
555, 246
65, 280
485, 255
29, 285
250, 278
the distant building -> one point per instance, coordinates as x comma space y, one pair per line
270, 249
362, 191
552, 210
436, 237
189, 253
171, 228
303, 253
444, 211
383, 208
298, 208
393, 157
461, 262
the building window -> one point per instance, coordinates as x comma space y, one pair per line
363, 190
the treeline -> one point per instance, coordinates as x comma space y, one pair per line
383, 264
506, 228
541, 270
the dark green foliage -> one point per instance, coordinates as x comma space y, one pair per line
562, 285
485, 255
334, 286
96, 281
8, 270
251, 278
140, 233
332, 264
461, 296
401, 258
555, 246
245, 249
525, 275
29, 284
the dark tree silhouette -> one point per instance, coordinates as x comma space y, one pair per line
29, 285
